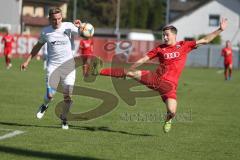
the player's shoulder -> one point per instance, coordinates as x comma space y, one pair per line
67, 24
183, 42
47, 29
187, 43
161, 46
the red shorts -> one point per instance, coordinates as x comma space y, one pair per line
87, 55
152, 80
227, 64
7, 51
86, 58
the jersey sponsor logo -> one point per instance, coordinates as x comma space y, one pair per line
58, 42
171, 55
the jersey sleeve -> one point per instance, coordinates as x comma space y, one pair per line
81, 44
191, 44
3, 39
153, 53
42, 38
75, 30
222, 52
12, 39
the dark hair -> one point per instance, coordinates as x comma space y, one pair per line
171, 28
54, 11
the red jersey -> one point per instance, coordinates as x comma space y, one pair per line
86, 46
227, 54
7, 40
172, 59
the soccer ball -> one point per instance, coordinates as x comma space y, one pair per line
87, 30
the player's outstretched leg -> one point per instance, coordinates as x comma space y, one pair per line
113, 72
171, 105
121, 73
47, 99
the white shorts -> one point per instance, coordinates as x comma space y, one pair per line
60, 75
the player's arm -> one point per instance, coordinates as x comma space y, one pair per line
208, 38
77, 23
92, 46
12, 39
139, 62
222, 53
34, 52
2, 41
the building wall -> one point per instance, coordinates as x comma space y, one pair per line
197, 22
10, 12
38, 11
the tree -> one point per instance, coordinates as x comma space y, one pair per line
144, 14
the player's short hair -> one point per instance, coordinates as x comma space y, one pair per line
171, 28
54, 11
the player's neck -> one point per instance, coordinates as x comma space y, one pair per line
56, 26
172, 43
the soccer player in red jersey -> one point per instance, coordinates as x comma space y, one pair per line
86, 47
172, 56
227, 54
7, 40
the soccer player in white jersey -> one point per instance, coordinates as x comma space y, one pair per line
58, 37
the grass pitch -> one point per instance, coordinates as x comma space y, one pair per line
207, 126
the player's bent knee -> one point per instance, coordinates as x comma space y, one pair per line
50, 96
134, 74
67, 99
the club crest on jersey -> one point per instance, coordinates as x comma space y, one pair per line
171, 55
178, 46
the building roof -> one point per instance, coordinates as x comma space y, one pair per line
233, 5
178, 5
185, 7
35, 21
50, 2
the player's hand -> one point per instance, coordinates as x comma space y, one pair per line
78, 23
23, 66
223, 24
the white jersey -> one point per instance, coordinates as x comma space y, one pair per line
60, 43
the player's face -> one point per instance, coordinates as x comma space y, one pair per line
169, 38
56, 20
228, 44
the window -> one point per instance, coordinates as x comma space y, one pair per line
214, 20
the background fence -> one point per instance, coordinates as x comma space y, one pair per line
204, 56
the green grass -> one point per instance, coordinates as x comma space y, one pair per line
207, 126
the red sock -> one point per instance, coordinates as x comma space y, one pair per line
114, 72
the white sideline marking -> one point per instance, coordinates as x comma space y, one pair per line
220, 71
11, 134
